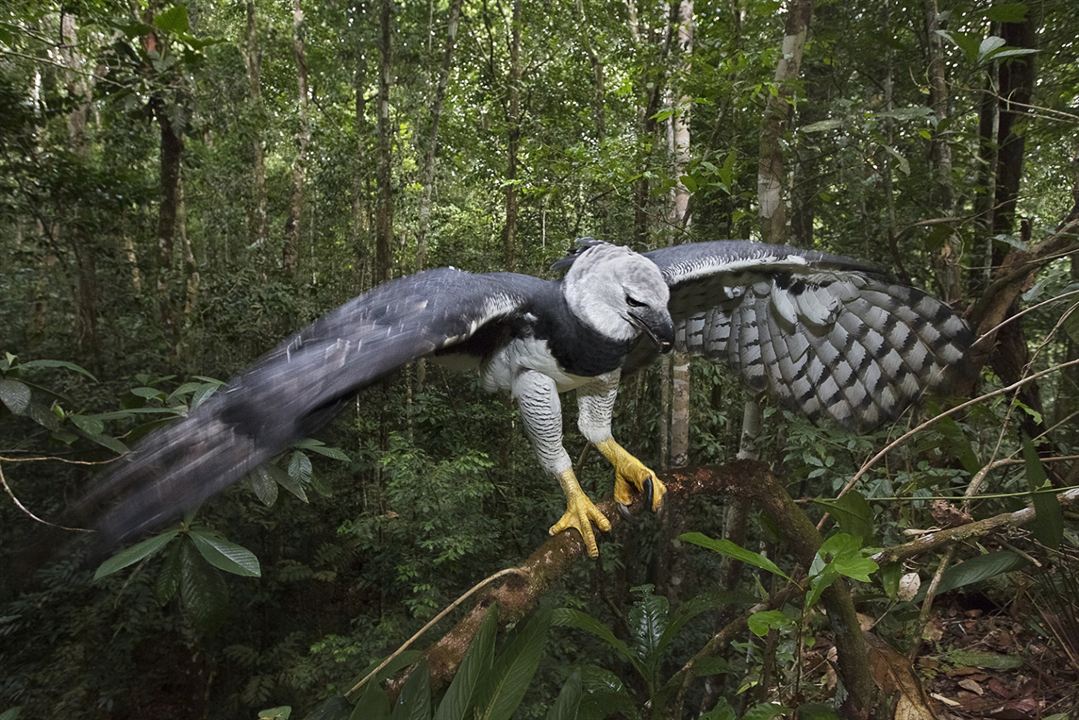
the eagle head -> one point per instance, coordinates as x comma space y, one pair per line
620, 294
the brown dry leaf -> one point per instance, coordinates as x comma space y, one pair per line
892, 673
947, 701
933, 631
972, 685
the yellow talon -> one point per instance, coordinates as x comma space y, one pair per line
580, 513
630, 475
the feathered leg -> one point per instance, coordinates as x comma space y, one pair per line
541, 411
595, 403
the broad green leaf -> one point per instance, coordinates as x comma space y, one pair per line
475, 665
853, 514
203, 592
373, 704
168, 578
821, 126
173, 20
299, 467
889, 579
147, 393
88, 424
225, 555
820, 582
317, 446
568, 617
816, 711
108, 441
283, 712
515, 668
335, 707
765, 711
711, 666
15, 395
726, 547
840, 543
990, 44
135, 553
12, 713
647, 622
721, 711
977, 569
263, 485
1011, 12
761, 622
993, 661
959, 444
1048, 522
414, 702
288, 482
63, 364
855, 567
1012, 52
569, 699
690, 609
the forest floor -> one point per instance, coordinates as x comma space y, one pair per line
992, 663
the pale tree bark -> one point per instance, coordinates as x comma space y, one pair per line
294, 224
678, 222
83, 247
257, 222
771, 170
384, 208
513, 132
430, 155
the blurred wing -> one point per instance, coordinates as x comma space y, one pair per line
295, 389
823, 334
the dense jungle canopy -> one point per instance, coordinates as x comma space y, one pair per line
184, 183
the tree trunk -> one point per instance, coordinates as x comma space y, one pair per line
678, 218
384, 209
257, 230
171, 155
360, 226
771, 171
294, 224
513, 130
430, 155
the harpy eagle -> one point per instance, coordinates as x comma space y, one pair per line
822, 334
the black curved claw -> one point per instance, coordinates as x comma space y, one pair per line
624, 511
647, 490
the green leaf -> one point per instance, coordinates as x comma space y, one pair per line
990, 44
820, 582
476, 664
168, 578
264, 485
1012, 52
855, 567
993, 661
726, 547
515, 668
721, 711
11, 713
711, 666
225, 555
299, 467
853, 514
816, 711
88, 424
15, 395
959, 444
821, 126
203, 592
135, 553
284, 712
147, 393
977, 569
1012, 12
761, 622
569, 699
373, 704
647, 622
568, 617
414, 702
63, 364
765, 711
288, 482
889, 579
335, 707
173, 20
1048, 523
690, 609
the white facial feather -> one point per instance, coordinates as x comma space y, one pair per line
604, 280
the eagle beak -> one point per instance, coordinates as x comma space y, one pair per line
657, 324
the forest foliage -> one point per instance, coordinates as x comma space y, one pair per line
182, 183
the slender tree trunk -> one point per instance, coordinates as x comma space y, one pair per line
599, 108
678, 218
257, 223
513, 130
294, 225
171, 156
988, 120
361, 224
430, 155
771, 170
384, 208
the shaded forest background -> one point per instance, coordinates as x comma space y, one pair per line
184, 183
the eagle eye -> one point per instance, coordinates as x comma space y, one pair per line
634, 302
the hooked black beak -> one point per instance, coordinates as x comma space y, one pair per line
657, 325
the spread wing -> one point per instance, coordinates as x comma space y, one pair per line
294, 389
823, 334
